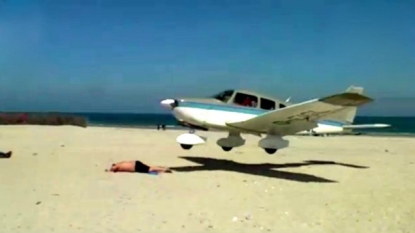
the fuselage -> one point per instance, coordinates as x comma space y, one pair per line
245, 112
215, 116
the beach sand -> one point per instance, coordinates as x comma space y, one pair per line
55, 182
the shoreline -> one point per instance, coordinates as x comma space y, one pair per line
181, 128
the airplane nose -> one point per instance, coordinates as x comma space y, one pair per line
168, 103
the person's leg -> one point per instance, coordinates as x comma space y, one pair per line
160, 169
6, 155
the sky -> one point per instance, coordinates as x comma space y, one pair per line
125, 56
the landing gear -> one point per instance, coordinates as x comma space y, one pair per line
270, 150
272, 143
233, 140
190, 139
186, 146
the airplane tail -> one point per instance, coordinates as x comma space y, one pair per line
350, 113
347, 115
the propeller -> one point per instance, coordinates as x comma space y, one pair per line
169, 103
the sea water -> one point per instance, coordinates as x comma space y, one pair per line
400, 125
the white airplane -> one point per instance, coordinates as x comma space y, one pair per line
242, 112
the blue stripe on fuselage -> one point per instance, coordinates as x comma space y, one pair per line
240, 109
220, 107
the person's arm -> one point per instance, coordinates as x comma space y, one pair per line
114, 168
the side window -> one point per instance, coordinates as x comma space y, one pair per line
282, 105
246, 100
267, 104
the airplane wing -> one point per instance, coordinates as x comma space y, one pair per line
301, 116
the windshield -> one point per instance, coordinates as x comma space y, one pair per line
223, 96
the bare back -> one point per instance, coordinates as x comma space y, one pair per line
125, 166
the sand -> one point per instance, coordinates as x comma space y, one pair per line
55, 182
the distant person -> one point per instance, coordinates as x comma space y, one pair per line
247, 102
5, 155
163, 127
24, 118
136, 166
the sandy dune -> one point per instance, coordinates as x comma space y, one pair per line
55, 182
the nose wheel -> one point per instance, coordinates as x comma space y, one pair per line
225, 148
188, 140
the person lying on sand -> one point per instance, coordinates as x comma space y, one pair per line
136, 166
5, 155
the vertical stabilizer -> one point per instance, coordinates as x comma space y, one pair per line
353, 89
348, 114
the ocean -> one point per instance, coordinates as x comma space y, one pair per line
400, 125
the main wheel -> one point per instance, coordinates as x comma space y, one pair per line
270, 150
186, 147
226, 148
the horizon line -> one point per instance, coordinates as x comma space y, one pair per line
150, 113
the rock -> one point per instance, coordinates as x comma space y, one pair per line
247, 216
234, 219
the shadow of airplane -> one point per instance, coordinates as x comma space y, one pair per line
264, 169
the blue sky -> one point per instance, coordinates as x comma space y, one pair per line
124, 56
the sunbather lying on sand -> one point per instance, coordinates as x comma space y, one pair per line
5, 155
136, 166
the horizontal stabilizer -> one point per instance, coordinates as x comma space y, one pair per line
366, 126
301, 116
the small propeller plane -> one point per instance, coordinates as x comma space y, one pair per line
244, 112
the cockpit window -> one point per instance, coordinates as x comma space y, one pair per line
246, 100
224, 96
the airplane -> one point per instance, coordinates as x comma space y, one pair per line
244, 112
